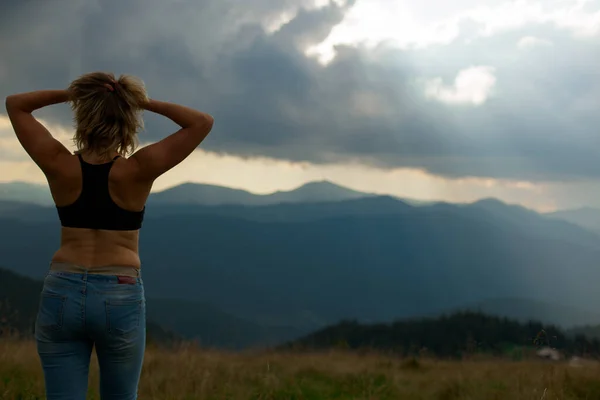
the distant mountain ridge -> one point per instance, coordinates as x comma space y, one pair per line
586, 217
208, 195
25, 192
524, 309
201, 194
18, 194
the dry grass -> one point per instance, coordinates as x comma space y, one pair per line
191, 373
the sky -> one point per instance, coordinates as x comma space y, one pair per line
431, 100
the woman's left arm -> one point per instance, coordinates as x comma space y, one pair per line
43, 149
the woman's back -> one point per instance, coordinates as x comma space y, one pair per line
93, 294
100, 193
101, 206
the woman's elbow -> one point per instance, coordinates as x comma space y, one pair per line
209, 120
13, 103
206, 122
9, 102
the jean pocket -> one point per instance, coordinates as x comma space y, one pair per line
123, 317
51, 311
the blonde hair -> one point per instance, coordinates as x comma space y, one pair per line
106, 120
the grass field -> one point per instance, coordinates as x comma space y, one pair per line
190, 373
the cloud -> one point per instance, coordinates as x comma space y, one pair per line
528, 42
528, 115
12, 151
237, 172
472, 85
410, 24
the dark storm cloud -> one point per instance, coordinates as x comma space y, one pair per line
268, 99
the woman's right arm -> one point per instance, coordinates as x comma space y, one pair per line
157, 158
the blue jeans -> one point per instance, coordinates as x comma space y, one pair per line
79, 311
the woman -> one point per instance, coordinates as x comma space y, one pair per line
93, 294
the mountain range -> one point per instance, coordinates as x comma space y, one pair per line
307, 265
200, 194
194, 194
585, 217
272, 272
25, 192
210, 195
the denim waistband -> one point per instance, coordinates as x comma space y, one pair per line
107, 270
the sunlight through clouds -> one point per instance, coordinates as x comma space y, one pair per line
529, 42
408, 24
11, 149
472, 85
273, 24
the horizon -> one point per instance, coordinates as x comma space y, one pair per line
410, 201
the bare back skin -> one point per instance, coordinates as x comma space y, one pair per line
94, 247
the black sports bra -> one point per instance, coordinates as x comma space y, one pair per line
95, 209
